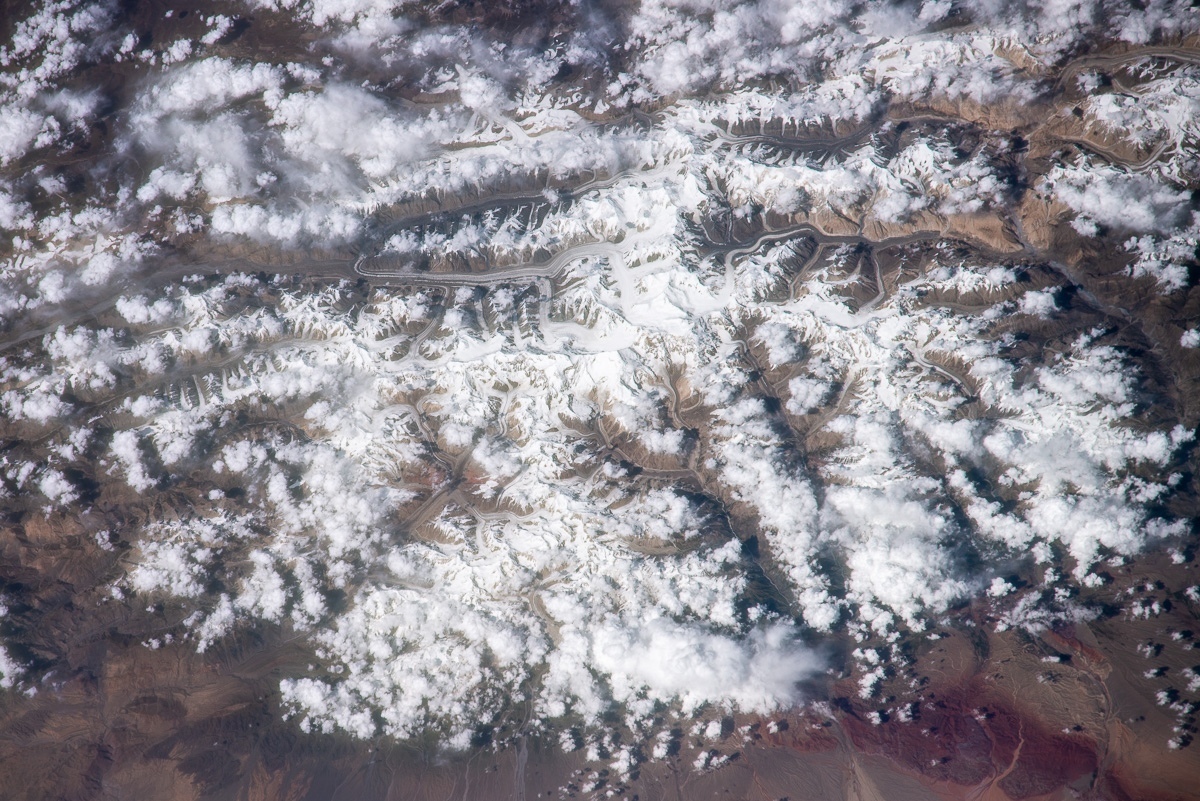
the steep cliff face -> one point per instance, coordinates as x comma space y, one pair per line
656, 399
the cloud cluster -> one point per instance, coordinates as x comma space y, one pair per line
531, 550
1103, 195
605, 450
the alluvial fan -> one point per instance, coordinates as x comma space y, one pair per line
661, 398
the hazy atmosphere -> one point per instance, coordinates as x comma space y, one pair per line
671, 399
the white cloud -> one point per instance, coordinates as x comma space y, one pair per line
19, 127
667, 661
1127, 202
1040, 303
1166, 259
807, 394
999, 588
57, 488
497, 421
39, 402
128, 453
10, 669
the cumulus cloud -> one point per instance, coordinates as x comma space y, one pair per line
1041, 303
440, 485
1127, 202
664, 660
490, 584
1166, 258
10, 669
127, 450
